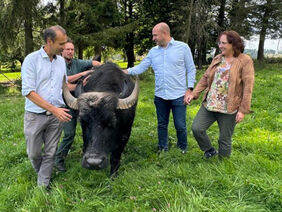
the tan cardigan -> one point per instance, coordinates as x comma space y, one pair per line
241, 82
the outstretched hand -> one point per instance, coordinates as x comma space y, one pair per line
125, 71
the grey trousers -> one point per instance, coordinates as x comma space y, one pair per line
226, 123
42, 134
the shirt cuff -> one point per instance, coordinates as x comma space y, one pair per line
25, 92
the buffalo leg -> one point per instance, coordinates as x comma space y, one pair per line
116, 156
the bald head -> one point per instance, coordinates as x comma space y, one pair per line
161, 34
162, 27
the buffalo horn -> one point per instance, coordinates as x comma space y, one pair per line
130, 100
70, 100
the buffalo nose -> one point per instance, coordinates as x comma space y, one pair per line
94, 161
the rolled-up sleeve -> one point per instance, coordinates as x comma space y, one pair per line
28, 76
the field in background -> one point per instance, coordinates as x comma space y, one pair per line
6, 76
249, 181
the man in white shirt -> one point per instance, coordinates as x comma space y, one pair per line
42, 76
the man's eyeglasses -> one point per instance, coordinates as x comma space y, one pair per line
223, 43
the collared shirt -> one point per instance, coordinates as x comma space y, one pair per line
173, 67
43, 76
76, 66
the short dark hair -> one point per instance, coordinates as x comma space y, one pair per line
51, 32
236, 41
69, 40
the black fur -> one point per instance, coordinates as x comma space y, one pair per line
105, 128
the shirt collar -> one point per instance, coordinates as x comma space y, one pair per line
44, 54
69, 64
171, 42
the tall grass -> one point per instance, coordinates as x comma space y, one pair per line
249, 181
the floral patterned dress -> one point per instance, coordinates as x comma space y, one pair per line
216, 98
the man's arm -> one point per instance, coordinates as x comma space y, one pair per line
96, 63
191, 74
125, 71
141, 67
83, 64
75, 77
190, 67
60, 113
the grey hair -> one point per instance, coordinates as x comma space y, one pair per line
51, 32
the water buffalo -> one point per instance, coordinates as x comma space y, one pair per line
106, 106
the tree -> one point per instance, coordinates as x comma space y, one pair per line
87, 19
267, 21
128, 16
17, 22
238, 16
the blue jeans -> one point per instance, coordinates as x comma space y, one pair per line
163, 108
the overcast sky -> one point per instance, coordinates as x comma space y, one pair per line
268, 44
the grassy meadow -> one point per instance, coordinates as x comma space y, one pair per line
9, 76
251, 180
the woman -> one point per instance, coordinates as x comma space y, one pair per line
227, 85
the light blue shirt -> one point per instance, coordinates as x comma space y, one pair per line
173, 67
43, 76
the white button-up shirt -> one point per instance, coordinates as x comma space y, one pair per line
43, 76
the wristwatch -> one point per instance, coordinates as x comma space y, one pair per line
190, 88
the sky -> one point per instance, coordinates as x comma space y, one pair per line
273, 44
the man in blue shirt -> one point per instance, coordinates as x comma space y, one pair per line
174, 71
42, 76
76, 69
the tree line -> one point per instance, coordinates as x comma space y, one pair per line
125, 25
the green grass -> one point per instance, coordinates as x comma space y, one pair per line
249, 181
123, 65
10, 76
